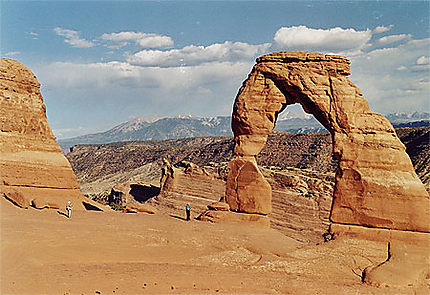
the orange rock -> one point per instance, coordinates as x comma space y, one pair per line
192, 180
135, 207
219, 206
376, 184
168, 179
247, 190
234, 217
31, 163
406, 265
131, 196
17, 198
407, 262
41, 204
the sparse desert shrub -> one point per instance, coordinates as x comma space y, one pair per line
328, 235
116, 206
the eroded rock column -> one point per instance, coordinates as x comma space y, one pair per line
252, 121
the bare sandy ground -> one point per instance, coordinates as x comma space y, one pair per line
43, 252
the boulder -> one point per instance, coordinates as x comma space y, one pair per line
118, 194
247, 190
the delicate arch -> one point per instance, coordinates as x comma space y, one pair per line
376, 184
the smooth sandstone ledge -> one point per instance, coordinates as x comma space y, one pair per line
49, 198
408, 259
381, 235
234, 217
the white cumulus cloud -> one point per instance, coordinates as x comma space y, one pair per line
422, 64
204, 80
72, 37
391, 78
144, 40
195, 55
393, 38
121, 74
382, 29
423, 60
334, 40
118, 90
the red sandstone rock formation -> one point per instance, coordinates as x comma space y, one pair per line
167, 176
376, 184
192, 180
130, 197
33, 170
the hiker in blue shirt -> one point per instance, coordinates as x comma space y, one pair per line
188, 210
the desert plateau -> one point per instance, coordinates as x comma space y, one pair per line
114, 253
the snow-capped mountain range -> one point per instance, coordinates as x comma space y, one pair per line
161, 128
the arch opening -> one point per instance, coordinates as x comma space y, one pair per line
293, 96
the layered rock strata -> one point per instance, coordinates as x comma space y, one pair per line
32, 168
376, 185
188, 179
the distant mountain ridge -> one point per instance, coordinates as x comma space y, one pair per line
162, 128
402, 117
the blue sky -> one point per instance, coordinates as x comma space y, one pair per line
101, 63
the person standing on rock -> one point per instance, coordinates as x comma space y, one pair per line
188, 211
69, 209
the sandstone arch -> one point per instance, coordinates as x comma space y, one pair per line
376, 184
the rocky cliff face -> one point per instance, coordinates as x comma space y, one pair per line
417, 142
33, 170
376, 184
